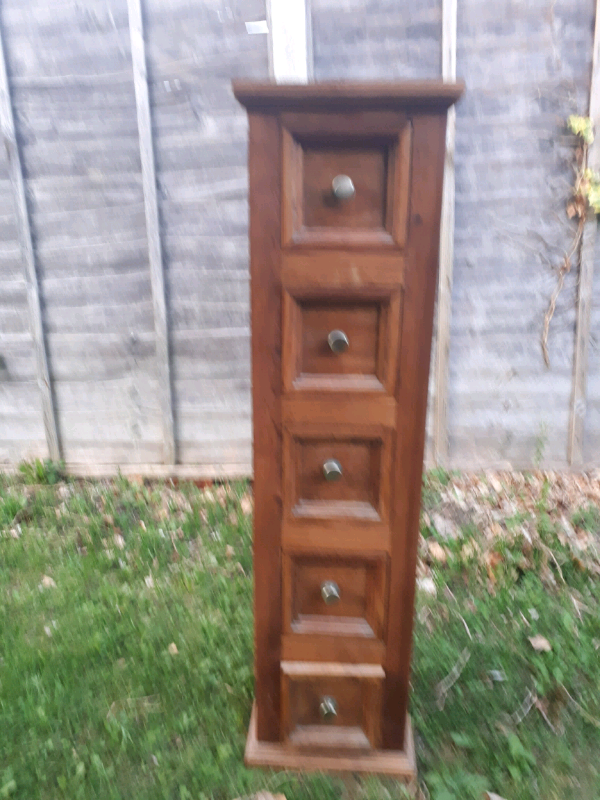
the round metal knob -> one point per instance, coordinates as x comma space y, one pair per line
330, 592
342, 187
332, 469
328, 708
338, 341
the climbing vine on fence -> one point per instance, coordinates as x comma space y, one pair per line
584, 199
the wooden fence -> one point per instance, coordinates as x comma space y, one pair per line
124, 339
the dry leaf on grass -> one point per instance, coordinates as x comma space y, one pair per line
229, 552
436, 551
427, 585
119, 541
208, 496
221, 495
446, 528
263, 796
540, 643
48, 582
246, 504
173, 649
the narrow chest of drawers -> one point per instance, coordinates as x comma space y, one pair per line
345, 198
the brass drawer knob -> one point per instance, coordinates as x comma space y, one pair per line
332, 469
328, 708
330, 592
338, 341
342, 187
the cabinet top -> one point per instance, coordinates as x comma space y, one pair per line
335, 95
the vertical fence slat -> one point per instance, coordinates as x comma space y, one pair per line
586, 276
15, 170
290, 45
138, 55
444, 298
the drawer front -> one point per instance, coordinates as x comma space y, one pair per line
337, 475
366, 166
345, 180
335, 708
341, 343
332, 596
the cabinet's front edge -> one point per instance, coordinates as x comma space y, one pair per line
265, 303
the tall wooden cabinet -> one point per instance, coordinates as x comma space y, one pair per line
345, 197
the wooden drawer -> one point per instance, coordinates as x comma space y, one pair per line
345, 180
331, 705
345, 341
336, 474
334, 596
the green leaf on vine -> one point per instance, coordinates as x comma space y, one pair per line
582, 126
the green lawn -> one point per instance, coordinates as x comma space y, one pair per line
126, 642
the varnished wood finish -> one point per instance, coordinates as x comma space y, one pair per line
366, 267
338, 409
347, 649
356, 690
353, 536
370, 320
366, 164
265, 300
308, 669
399, 764
322, 273
349, 95
360, 610
417, 326
373, 149
362, 492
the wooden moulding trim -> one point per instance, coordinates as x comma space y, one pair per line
336, 95
315, 669
336, 409
400, 764
318, 647
346, 536
312, 273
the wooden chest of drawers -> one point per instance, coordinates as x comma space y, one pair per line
345, 197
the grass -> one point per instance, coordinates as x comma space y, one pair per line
126, 645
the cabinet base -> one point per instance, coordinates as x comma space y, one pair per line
400, 764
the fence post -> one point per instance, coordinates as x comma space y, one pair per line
138, 55
586, 276
444, 298
290, 40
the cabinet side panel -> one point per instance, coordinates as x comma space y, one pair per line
417, 325
265, 298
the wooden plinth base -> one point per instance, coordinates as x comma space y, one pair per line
397, 763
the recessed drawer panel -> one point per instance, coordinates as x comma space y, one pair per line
334, 596
365, 170
345, 180
331, 705
342, 342
337, 474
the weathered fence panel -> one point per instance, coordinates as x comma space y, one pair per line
71, 81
